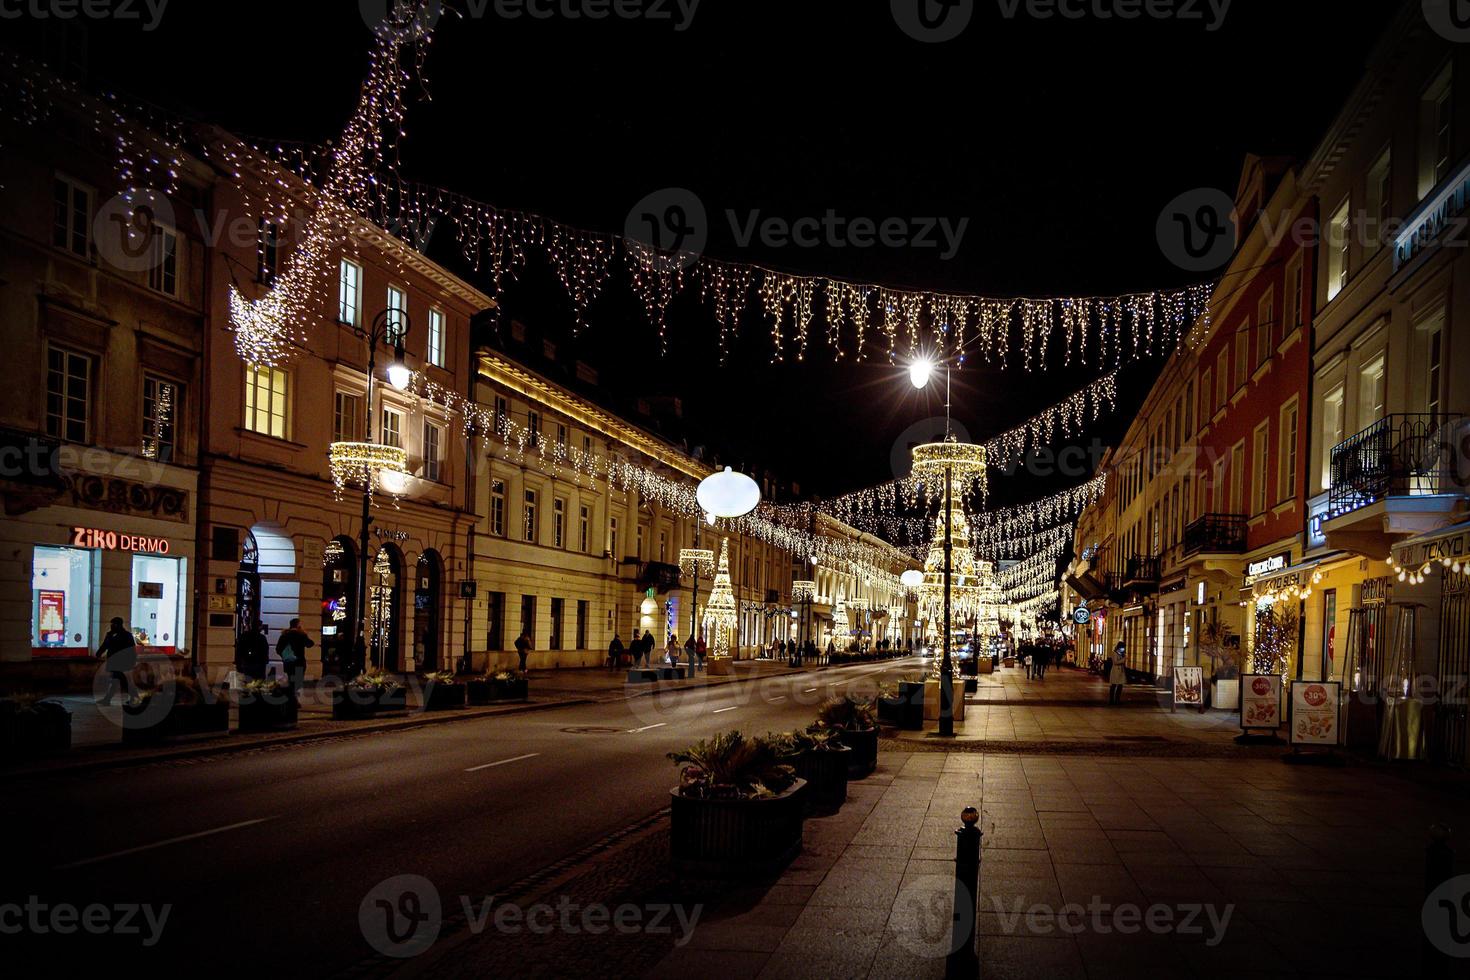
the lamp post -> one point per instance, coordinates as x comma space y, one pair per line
391, 327
730, 495
920, 371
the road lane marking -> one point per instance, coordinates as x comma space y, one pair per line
492, 765
731, 708
808, 690
163, 843
648, 727
781, 698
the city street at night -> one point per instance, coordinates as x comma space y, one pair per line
667, 488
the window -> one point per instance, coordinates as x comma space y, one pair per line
1259, 455
267, 251
160, 409
1286, 488
346, 417
1332, 426
266, 397
1435, 137
1189, 409
163, 260
528, 617
612, 538
1206, 391
584, 517
642, 534
1265, 327
1376, 209
502, 408
663, 546
533, 424
528, 515
395, 322
495, 621
1292, 312
392, 428
556, 618
61, 601
1243, 354
582, 617
1222, 378
155, 610
349, 293
587, 445
1370, 393
71, 223
1237, 478
1337, 245
435, 353
558, 522
561, 436
497, 508
433, 437
1433, 377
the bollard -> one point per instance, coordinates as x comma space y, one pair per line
1439, 867
963, 960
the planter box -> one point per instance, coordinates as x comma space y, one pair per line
354, 704
489, 690
912, 696
440, 696
1226, 695
392, 699
890, 710
864, 745
736, 837
268, 713
41, 730
144, 723
825, 772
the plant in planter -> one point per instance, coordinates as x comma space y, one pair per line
366, 695
890, 705
738, 808
821, 759
180, 706
268, 706
855, 722
442, 691
504, 685
31, 726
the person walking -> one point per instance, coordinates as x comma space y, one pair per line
615, 652
691, 651
292, 647
1043, 654
671, 651
1118, 675
523, 647
699, 651
252, 652
647, 649
120, 654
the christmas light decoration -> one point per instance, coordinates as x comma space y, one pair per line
962, 464
803, 590
696, 561
363, 464
720, 614
841, 634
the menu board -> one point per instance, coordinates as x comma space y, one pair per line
1260, 701
1189, 686
1314, 712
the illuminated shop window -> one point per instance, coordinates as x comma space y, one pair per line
61, 602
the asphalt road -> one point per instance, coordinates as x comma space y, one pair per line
264, 858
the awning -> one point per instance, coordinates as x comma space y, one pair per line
1448, 546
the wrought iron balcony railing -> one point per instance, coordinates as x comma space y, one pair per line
1400, 456
1215, 534
1141, 570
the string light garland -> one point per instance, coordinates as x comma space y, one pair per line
364, 464
1065, 419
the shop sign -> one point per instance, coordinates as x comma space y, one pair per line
1315, 712
1453, 547
1429, 220
96, 537
1081, 615
1267, 565
1260, 701
1319, 511
1189, 686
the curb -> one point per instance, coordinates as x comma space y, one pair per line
227, 747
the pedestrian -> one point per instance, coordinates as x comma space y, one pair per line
1043, 654
1118, 676
615, 652
523, 647
120, 654
699, 650
691, 650
647, 649
671, 651
292, 647
252, 652
1028, 663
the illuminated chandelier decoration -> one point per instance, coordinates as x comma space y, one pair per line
720, 615
696, 562
366, 464
962, 463
840, 627
966, 595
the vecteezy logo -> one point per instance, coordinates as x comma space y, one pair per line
1446, 917
924, 915
1196, 230
411, 18
401, 916
128, 227
1450, 19
671, 219
933, 21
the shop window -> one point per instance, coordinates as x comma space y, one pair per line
61, 602
156, 617
495, 621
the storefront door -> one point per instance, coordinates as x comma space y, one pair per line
1450, 734
339, 605
427, 598
247, 587
386, 609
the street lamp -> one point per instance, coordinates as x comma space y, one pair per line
726, 494
390, 327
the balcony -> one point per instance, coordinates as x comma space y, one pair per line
1404, 474
1141, 574
1214, 534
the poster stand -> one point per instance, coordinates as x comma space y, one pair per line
1260, 706
1314, 723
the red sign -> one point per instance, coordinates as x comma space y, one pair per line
95, 537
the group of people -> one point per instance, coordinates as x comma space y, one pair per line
639, 653
253, 653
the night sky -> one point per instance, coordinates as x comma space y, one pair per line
1060, 141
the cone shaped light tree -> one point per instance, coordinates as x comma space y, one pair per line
720, 616
840, 629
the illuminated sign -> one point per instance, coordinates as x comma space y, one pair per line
95, 537
1430, 220
1319, 511
1267, 565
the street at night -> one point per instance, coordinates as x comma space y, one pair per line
665, 488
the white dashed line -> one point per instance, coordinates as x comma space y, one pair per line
492, 765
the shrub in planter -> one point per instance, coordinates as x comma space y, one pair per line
29, 726
366, 695
738, 808
441, 692
177, 707
819, 758
268, 706
854, 721
890, 705
505, 685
